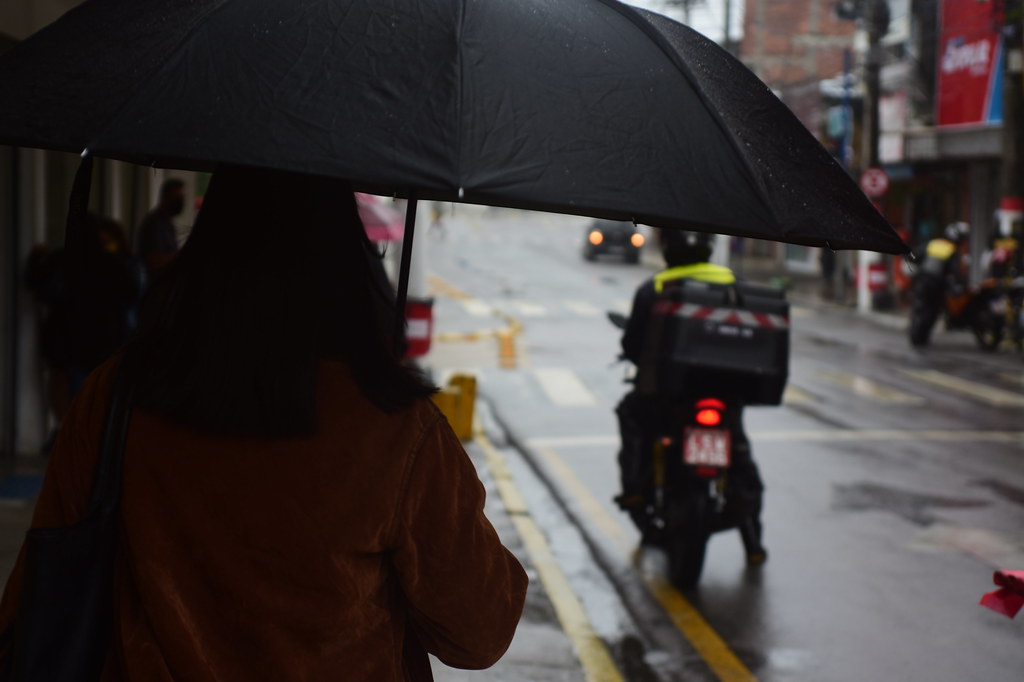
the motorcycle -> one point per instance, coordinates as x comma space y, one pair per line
979, 309
696, 445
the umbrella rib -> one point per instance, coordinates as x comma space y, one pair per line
634, 15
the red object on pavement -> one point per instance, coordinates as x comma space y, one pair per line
382, 223
1010, 598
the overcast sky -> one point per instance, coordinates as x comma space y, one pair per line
706, 16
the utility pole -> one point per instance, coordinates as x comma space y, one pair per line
1011, 176
685, 4
727, 42
877, 25
873, 17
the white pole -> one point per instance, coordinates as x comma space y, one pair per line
864, 259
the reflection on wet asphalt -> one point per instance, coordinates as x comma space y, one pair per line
910, 505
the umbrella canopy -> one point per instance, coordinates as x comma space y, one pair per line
589, 107
381, 222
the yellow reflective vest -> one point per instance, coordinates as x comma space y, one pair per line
702, 272
941, 249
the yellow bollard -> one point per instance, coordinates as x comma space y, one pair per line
456, 401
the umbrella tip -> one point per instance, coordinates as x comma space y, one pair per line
462, 192
85, 153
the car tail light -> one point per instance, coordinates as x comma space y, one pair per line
596, 237
637, 240
709, 411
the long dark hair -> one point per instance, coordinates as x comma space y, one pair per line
276, 275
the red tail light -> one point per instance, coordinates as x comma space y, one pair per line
709, 411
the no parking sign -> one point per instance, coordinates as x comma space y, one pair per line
874, 182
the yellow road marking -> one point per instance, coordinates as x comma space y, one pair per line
598, 664
705, 641
1013, 378
987, 394
588, 504
442, 288
506, 336
867, 388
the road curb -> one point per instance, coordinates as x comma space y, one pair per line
659, 631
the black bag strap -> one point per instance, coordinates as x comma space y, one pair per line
106, 489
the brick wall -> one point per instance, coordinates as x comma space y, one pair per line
789, 42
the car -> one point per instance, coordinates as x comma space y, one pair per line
619, 237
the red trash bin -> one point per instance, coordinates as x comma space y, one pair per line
419, 326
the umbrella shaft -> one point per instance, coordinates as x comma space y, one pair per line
403, 272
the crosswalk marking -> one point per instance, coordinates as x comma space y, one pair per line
867, 388
476, 307
582, 308
528, 309
987, 394
564, 388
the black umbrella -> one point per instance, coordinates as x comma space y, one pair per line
588, 107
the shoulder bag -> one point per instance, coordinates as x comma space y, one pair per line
62, 629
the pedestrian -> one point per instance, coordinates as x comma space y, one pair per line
157, 235
84, 297
113, 241
294, 506
941, 272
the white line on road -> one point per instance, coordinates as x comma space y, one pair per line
866, 388
564, 388
992, 396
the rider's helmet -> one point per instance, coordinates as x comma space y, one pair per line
682, 247
957, 232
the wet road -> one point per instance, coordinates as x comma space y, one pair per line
895, 478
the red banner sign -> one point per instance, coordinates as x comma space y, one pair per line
970, 73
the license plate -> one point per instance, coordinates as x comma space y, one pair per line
707, 447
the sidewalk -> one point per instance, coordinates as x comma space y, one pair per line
540, 651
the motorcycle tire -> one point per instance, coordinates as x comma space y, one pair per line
988, 329
687, 543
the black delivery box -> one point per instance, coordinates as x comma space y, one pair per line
732, 339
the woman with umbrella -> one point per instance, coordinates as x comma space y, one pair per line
293, 505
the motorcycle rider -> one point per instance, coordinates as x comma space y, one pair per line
641, 411
940, 272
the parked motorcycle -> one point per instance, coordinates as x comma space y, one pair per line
978, 309
697, 447
1010, 307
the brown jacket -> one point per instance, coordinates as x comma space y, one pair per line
343, 556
